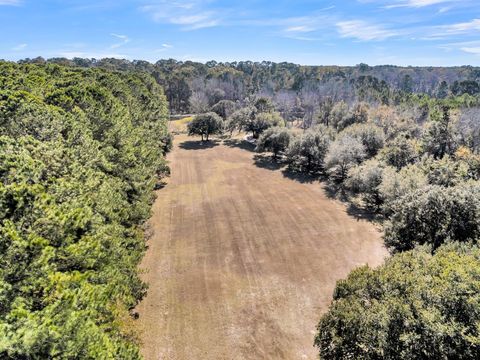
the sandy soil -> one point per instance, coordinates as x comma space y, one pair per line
243, 260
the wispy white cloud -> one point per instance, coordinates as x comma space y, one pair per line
164, 47
19, 47
124, 40
469, 47
419, 3
190, 15
95, 55
364, 31
391, 4
306, 28
471, 50
458, 30
299, 29
202, 20
464, 27
10, 2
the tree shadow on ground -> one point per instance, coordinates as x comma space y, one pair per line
266, 162
198, 144
301, 177
336, 191
332, 190
241, 144
361, 213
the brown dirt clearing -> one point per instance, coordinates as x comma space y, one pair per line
243, 261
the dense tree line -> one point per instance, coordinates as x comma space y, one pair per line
298, 91
80, 153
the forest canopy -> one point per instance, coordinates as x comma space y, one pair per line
194, 87
80, 153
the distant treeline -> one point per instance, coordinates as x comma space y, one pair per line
81, 151
191, 86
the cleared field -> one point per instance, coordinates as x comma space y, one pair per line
243, 260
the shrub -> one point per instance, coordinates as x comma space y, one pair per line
205, 125
366, 179
433, 216
400, 152
416, 306
308, 150
370, 135
275, 140
342, 155
396, 184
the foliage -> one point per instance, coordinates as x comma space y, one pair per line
224, 108
342, 155
205, 125
446, 171
264, 105
400, 152
307, 151
343, 116
275, 140
80, 153
262, 122
468, 129
439, 138
366, 179
396, 184
250, 120
415, 306
433, 216
370, 135
241, 118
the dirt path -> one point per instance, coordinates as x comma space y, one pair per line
243, 260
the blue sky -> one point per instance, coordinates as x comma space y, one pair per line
310, 32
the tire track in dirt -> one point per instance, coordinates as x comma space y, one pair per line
243, 260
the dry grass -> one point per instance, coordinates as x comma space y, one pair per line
180, 126
243, 260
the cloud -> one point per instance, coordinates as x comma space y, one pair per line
462, 29
299, 29
420, 3
198, 21
390, 4
473, 25
471, 50
10, 2
469, 47
364, 31
308, 28
124, 40
164, 47
191, 15
19, 47
90, 55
